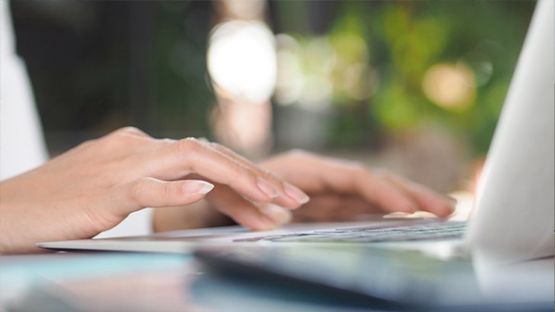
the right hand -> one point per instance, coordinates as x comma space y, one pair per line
94, 186
340, 190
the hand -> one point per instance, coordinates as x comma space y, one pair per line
342, 191
339, 191
94, 186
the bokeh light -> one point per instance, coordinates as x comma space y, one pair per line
242, 60
450, 86
289, 76
359, 77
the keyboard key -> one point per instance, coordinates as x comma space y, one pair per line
372, 234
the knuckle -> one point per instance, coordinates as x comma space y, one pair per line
190, 145
128, 135
203, 139
218, 147
129, 129
116, 137
121, 132
188, 151
224, 150
166, 141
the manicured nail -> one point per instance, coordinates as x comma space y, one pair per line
296, 193
197, 187
279, 214
266, 188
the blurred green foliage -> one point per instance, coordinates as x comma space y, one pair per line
390, 46
183, 90
98, 65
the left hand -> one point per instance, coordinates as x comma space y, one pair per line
342, 190
339, 191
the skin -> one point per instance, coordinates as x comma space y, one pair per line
94, 186
339, 191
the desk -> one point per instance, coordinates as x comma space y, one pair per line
153, 282
132, 282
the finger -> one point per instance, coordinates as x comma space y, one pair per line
326, 208
119, 142
356, 180
294, 197
385, 194
277, 213
239, 209
427, 199
131, 131
357, 208
193, 156
151, 192
321, 174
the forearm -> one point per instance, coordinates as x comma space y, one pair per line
12, 234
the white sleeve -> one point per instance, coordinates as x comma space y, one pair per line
21, 143
137, 223
22, 146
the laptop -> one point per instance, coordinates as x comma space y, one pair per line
513, 217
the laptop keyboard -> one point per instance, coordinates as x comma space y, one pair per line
372, 234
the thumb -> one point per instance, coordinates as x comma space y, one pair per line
151, 192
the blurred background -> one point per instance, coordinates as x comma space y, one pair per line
414, 86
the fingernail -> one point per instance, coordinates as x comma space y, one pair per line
279, 214
296, 193
266, 188
197, 186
